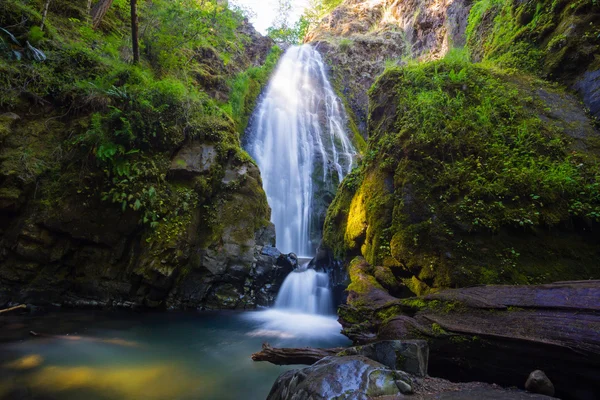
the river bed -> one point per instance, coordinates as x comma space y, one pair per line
172, 355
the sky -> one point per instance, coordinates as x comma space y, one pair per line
266, 10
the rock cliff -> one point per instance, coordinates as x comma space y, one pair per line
127, 186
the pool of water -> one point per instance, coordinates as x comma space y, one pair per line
101, 356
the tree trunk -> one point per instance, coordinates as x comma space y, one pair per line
45, 14
134, 32
290, 356
99, 11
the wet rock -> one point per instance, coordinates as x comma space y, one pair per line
270, 251
194, 158
288, 261
266, 236
410, 356
538, 382
353, 377
589, 89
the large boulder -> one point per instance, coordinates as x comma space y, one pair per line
353, 377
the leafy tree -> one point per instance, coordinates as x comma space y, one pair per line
282, 32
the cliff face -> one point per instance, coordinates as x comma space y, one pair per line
460, 182
359, 38
124, 185
555, 40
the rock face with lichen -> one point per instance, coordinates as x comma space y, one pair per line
359, 38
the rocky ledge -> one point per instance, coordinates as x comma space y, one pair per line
495, 333
359, 377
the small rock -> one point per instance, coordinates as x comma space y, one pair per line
539, 383
10, 115
270, 251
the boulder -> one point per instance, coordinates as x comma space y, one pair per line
354, 377
538, 382
588, 87
194, 158
410, 356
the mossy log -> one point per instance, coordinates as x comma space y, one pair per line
501, 333
291, 356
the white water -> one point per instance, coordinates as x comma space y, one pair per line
299, 140
305, 291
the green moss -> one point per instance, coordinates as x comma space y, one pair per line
471, 175
361, 281
551, 38
246, 88
438, 330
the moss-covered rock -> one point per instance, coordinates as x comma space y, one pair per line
554, 39
472, 175
127, 185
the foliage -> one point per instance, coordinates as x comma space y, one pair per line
118, 125
281, 31
246, 87
550, 38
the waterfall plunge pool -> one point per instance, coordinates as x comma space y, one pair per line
97, 355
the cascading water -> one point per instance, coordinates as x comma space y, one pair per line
305, 291
299, 140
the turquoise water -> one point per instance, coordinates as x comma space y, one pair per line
100, 356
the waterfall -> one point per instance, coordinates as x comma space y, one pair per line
305, 291
299, 140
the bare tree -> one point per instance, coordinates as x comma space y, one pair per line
99, 11
45, 14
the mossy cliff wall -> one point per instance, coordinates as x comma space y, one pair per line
472, 175
127, 185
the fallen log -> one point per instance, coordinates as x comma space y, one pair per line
291, 356
499, 333
20, 306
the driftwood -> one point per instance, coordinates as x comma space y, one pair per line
290, 356
19, 307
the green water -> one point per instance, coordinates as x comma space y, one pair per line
100, 356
